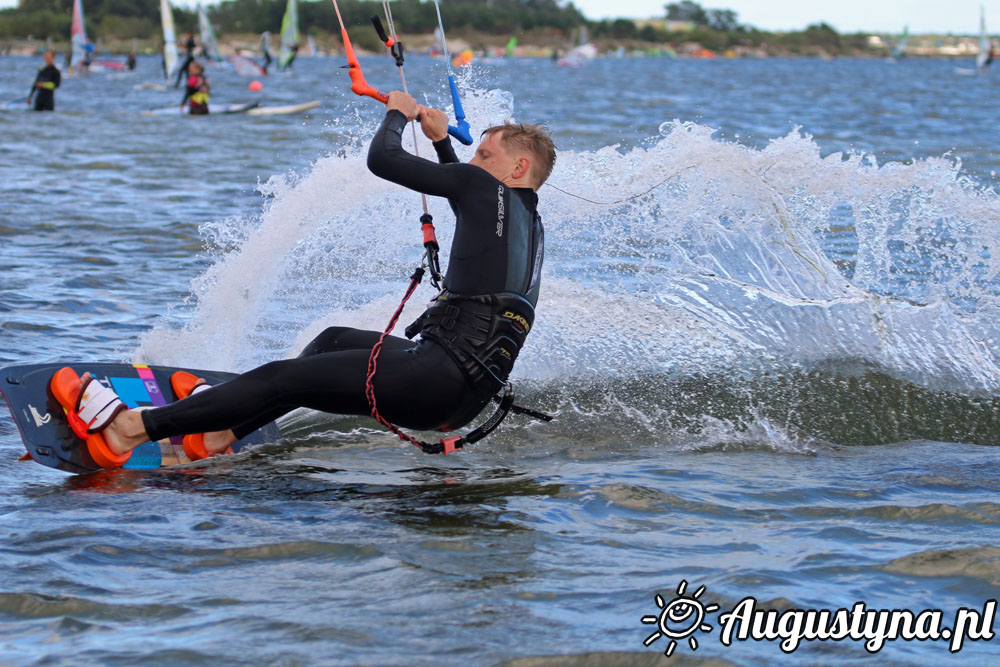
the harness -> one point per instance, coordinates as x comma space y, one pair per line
482, 333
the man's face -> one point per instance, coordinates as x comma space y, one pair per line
494, 157
49, 57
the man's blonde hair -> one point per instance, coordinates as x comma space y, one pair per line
532, 139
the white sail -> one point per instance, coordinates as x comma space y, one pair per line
208, 42
170, 63
78, 34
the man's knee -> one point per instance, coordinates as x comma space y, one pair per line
327, 341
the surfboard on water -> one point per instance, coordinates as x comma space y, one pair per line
282, 110
217, 109
250, 109
46, 433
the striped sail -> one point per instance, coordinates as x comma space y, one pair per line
208, 41
170, 63
289, 33
78, 34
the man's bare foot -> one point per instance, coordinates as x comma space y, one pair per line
125, 432
217, 442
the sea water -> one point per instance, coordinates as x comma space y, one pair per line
768, 332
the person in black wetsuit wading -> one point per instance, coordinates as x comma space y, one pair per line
189, 49
46, 82
465, 343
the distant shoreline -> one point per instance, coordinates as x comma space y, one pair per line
548, 46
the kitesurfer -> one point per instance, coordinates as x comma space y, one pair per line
466, 341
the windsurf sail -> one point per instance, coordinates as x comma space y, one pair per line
511, 45
170, 63
289, 33
78, 35
313, 51
209, 44
985, 55
581, 54
246, 67
899, 50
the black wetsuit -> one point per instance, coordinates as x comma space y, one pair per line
45, 97
428, 384
183, 72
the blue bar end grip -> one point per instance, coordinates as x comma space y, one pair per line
462, 131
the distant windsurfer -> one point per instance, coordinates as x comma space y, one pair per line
44, 87
293, 51
184, 71
197, 93
469, 337
265, 49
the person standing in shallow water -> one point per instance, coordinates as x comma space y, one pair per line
196, 95
44, 88
185, 70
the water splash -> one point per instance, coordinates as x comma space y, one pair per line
688, 257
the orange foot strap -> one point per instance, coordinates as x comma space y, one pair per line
194, 446
184, 384
65, 387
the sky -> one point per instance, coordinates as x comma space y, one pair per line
922, 16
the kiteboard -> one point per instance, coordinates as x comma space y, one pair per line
46, 433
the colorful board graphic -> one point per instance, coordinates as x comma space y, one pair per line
48, 438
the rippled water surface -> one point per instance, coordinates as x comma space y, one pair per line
768, 330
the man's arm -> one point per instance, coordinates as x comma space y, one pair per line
445, 151
387, 159
58, 79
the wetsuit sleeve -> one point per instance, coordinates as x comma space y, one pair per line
387, 159
57, 79
445, 151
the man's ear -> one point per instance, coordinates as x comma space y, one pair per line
521, 167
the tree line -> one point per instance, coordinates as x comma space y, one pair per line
126, 19
715, 29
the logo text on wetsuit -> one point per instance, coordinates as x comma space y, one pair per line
519, 319
500, 210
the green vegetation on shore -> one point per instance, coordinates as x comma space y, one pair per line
685, 27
